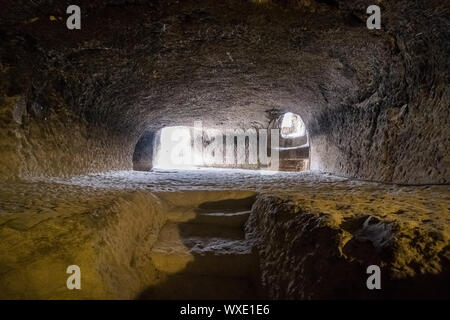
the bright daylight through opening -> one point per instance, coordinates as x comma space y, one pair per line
175, 149
292, 126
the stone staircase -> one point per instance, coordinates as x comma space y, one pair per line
207, 256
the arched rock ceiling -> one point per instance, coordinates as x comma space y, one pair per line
224, 63
375, 102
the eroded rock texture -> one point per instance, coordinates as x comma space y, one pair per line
314, 235
74, 105
375, 102
108, 232
319, 244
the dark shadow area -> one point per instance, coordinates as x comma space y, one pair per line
222, 264
143, 153
229, 204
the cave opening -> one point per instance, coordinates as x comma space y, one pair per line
292, 126
283, 146
182, 147
175, 150
294, 151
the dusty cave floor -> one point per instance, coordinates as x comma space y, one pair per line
422, 205
198, 179
108, 223
429, 205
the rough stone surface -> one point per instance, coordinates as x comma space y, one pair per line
144, 151
375, 102
99, 231
74, 104
319, 244
304, 226
197, 250
108, 233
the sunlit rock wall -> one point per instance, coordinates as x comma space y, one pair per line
319, 244
107, 233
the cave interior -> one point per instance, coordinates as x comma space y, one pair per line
309, 148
